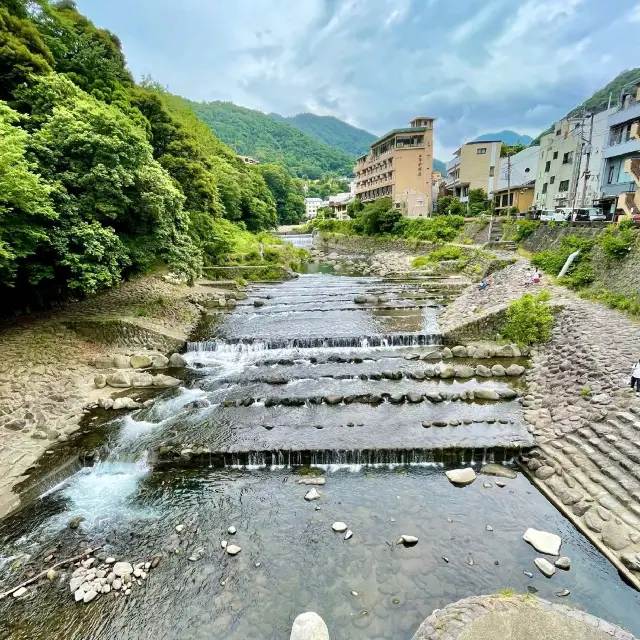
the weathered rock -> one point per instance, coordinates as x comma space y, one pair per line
483, 371
258, 303
333, 399
309, 626
90, 595
461, 476
125, 403
76, 583
396, 398
160, 362
360, 299
312, 480
563, 563
233, 550
312, 494
141, 380
464, 371
122, 569
415, 398
100, 381
408, 541
543, 541
507, 394
545, 472
514, 370
232, 530
276, 378
615, 536
141, 361
348, 535
74, 523
459, 351
103, 362
545, 567
176, 360
446, 353
339, 527
499, 471
165, 382
447, 371
593, 521
482, 351
498, 370
485, 394
433, 396
121, 362
120, 379
631, 561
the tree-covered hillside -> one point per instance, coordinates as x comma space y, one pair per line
331, 131
256, 134
101, 178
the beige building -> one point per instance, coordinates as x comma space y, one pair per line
399, 166
339, 204
475, 166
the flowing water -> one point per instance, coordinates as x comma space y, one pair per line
227, 448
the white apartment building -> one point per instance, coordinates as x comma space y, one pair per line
311, 206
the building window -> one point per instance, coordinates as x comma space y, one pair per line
555, 155
564, 186
398, 205
552, 179
492, 171
544, 188
612, 170
481, 151
547, 166
567, 158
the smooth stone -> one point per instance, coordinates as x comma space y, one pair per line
122, 569
545, 567
333, 399
52, 574
180, 528
409, 540
309, 626
233, 549
485, 394
312, 494
176, 360
141, 361
563, 563
223, 544
543, 541
563, 593
313, 480
19, 592
78, 596
499, 471
339, 527
90, 595
461, 476
514, 370
348, 534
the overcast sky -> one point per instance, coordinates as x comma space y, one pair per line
476, 65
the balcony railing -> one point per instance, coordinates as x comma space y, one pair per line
632, 166
627, 202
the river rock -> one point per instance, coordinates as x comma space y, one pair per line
482, 352
415, 398
545, 567
79, 595
90, 595
446, 353
432, 355
563, 563
433, 396
76, 583
447, 371
483, 371
461, 476
464, 371
499, 471
471, 351
121, 362
360, 299
543, 541
276, 378
232, 530
52, 574
176, 360
100, 381
485, 394
348, 534
141, 361
141, 380
396, 398
333, 399
314, 480
159, 362
103, 362
258, 303
122, 569
498, 370
459, 351
233, 550
309, 626
615, 536
119, 379
18, 593
165, 382
507, 394
125, 403
312, 494
514, 370
339, 527
408, 541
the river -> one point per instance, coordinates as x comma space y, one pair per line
257, 412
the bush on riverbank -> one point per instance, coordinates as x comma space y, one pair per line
529, 320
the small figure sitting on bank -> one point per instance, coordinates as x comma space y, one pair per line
483, 285
635, 377
535, 277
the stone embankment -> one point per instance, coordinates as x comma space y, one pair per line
48, 370
580, 409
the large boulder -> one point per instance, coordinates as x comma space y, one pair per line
165, 382
483, 371
160, 362
141, 380
508, 351
100, 381
360, 299
461, 476
447, 371
309, 626
141, 361
543, 541
459, 351
485, 394
446, 353
103, 362
498, 370
499, 471
464, 371
176, 360
121, 362
514, 370
333, 399
482, 351
120, 380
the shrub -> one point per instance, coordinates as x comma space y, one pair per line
524, 228
421, 261
582, 276
618, 301
552, 260
616, 244
446, 253
529, 319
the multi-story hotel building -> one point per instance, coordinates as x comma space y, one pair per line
399, 166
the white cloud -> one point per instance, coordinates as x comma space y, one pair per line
634, 14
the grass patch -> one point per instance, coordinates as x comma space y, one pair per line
420, 262
446, 253
507, 593
152, 308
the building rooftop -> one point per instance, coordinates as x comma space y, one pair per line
393, 132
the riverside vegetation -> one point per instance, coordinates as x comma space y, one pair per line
102, 178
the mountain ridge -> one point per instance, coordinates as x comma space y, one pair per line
506, 136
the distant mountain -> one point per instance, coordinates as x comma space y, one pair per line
507, 137
438, 165
599, 101
256, 134
331, 131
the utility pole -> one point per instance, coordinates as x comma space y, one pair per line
509, 186
586, 164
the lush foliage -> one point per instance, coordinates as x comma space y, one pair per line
628, 304
448, 205
478, 202
101, 178
326, 186
529, 320
524, 228
616, 243
446, 253
552, 260
331, 131
253, 133
437, 229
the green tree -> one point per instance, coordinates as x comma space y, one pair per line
354, 207
286, 192
448, 205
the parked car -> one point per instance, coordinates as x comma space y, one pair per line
588, 214
553, 216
